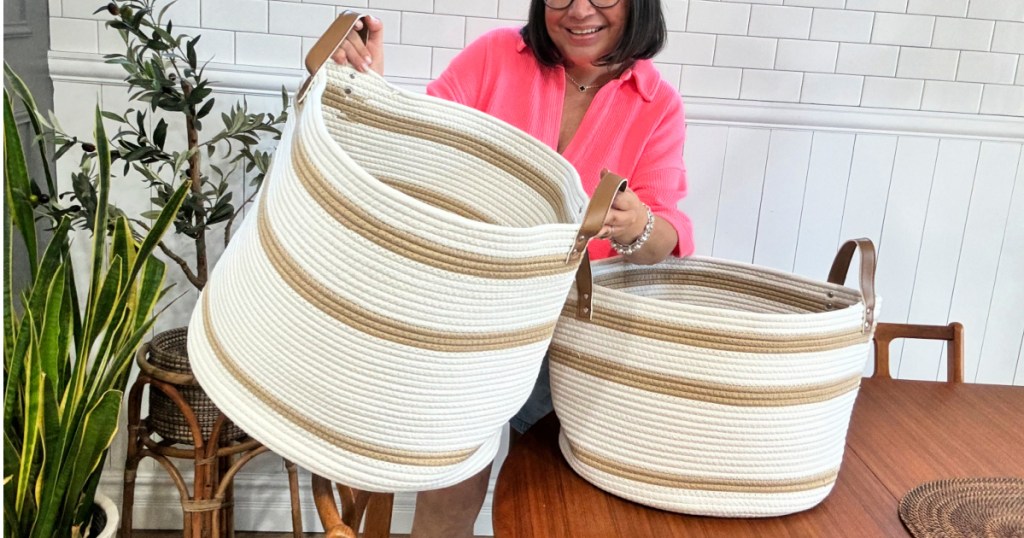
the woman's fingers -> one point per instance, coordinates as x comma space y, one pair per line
363, 56
356, 53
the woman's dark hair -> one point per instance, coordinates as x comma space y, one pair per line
642, 38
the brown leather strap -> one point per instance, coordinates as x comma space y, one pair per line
324, 47
593, 220
841, 266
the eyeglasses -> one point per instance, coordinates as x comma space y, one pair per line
564, 4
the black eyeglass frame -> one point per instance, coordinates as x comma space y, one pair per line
547, 3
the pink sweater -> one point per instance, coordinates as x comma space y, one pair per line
634, 127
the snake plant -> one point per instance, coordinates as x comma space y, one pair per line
68, 351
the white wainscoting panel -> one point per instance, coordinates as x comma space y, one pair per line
987, 219
778, 225
935, 270
824, 198
746, 155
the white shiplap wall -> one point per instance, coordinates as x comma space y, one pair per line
810, 121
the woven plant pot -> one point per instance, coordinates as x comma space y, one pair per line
711, 387
169, 351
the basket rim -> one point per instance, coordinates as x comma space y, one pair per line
663, 309
575, 195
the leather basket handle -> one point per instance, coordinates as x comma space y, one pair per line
868, 261
593, 220
328, 43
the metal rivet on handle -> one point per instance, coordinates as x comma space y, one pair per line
586, 295
831, 295
828, 306
348, 91
586, 310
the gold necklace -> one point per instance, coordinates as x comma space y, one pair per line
582, 88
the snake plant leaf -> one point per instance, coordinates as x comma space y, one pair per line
99, 239
116, 376
12, 455
18, 184
55, 440
53, 256
32, 416
100, 310
9, 336
159, 227
29, 102
153, 273
110, 305
51, 332
54, 446
123, 243
15, 373
97, 432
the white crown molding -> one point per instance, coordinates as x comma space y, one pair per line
229, 78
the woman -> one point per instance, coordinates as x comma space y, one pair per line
577, 77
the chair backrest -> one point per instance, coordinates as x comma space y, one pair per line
953, 334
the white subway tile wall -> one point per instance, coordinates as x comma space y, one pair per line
938, 55
899, 29
987, 67
859, 59
764, 85
799, 55
945, 96
701, 81
892, 93
828, 89
947, 8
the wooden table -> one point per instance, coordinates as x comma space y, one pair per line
902, 433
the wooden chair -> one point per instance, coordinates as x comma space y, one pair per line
355, 506
953, 334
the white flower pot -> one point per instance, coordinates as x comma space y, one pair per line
113, 517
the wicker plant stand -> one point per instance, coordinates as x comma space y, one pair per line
216, 447
370, 510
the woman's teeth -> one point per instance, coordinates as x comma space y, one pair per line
583, 32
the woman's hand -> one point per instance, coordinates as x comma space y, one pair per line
626, 219
363, 56
625, 224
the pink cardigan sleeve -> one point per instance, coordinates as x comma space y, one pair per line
660, 176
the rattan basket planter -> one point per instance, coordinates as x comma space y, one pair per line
710, 387
169, 351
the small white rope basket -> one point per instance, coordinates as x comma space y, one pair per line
385, 308
712, 387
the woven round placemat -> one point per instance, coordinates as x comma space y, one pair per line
965, 507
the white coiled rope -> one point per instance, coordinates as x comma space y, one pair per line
711, 387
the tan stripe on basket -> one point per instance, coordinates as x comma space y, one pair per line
411, 246
700, 390
338, 439
667, 331
436, 199
810, 300
383, 327
703, 483
384, 119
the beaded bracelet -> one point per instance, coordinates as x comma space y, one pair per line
626, 250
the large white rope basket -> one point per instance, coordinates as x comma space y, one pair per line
712, 387
384, 309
